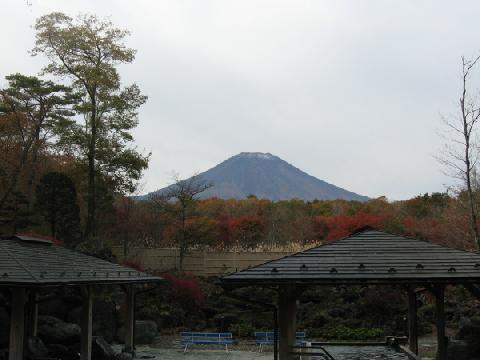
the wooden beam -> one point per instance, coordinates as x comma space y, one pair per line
17, 323
287, 321
412, 320
32, 313
86, 324
440, 320
130, 318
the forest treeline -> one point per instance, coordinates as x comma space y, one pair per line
256, 224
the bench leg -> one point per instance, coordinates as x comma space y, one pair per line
186, 348
226, 347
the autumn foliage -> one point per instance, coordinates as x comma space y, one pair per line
261, 225
186, 289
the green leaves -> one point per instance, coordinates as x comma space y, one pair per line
87, 50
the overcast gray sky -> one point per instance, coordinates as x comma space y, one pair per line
348, 91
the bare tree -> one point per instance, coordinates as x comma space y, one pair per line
460, 154
180, 199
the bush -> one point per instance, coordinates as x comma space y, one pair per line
186, 290
241, 330
346, 333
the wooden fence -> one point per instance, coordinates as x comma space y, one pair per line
198, 262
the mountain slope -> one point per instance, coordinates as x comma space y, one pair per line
268, 177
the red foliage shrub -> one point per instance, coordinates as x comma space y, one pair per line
339, 226
186, 289
452, 232
135, 264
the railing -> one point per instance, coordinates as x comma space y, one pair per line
309, 350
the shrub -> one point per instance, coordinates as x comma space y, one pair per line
342, 332
242, 330
186, 290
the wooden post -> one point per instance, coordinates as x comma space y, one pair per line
32, 313
130, 318
287, 316
86, 324
17, 324
440, 318
412, 320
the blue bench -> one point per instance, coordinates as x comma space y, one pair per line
266, 338
189, 338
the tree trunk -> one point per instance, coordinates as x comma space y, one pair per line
90, 228
467, 129
33, 172
183, 246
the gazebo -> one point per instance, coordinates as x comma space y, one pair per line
28, 264
367, 257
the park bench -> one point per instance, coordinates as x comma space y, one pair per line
213, 338
266, 338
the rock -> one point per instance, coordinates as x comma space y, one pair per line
124, 356
54, 331
63, 352
4, 329
104, 319
458, 350
36, 348
145, 332
101, 349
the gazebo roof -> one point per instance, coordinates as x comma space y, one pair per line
28, 261
368, 256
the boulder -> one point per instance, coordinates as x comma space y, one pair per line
54, 331
63, 352
124, 356
101, 349
36, 348
145, 332
104, 319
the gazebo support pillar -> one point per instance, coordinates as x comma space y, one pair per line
32, 313
412, 320
86, 324
17, 323
440, 320
130, 319
287, 321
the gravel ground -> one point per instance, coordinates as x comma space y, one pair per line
146, 352
175, 352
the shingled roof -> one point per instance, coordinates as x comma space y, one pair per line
28, 261
366, 257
